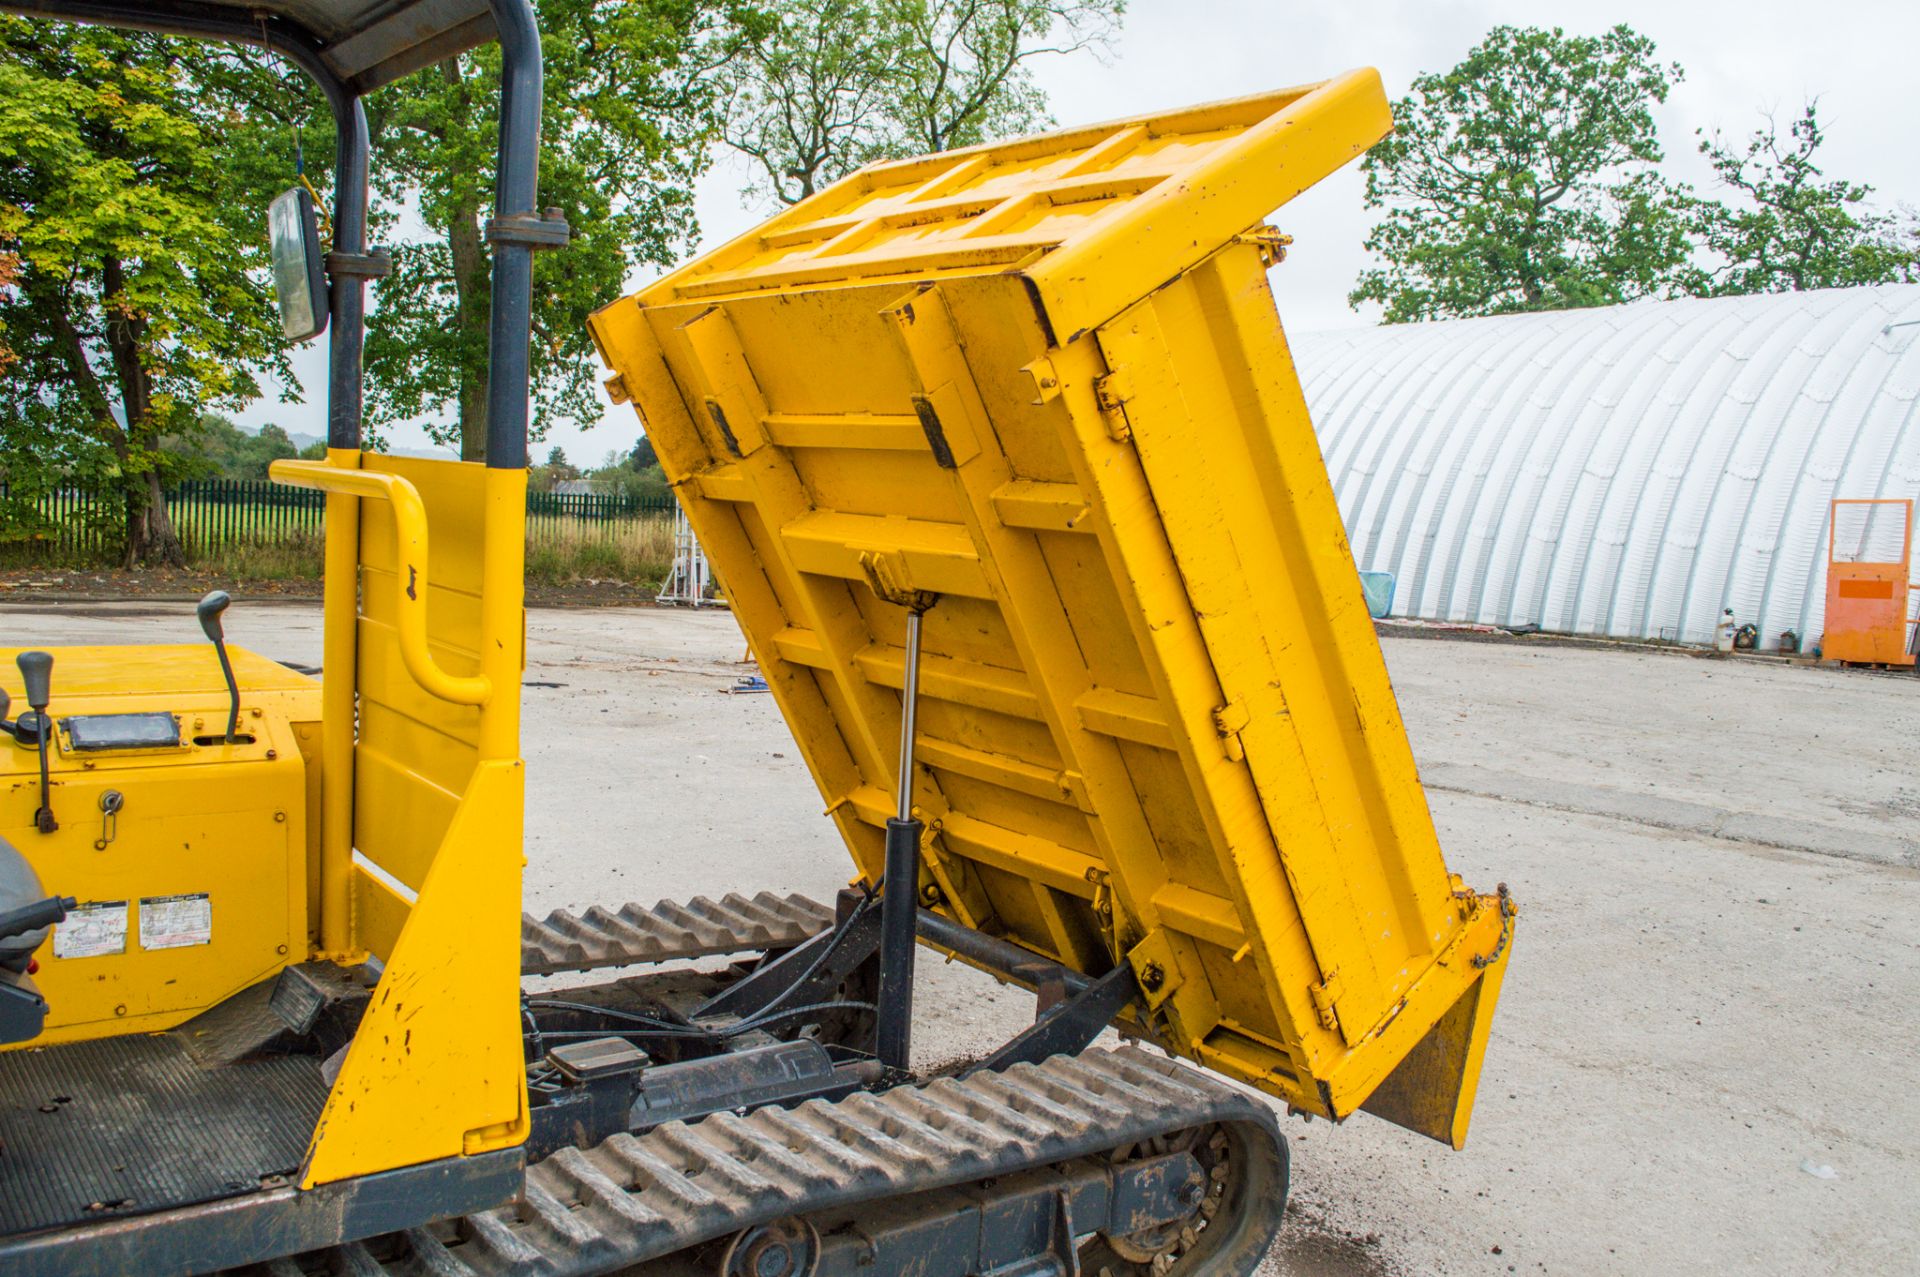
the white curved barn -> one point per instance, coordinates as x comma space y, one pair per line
1625, 471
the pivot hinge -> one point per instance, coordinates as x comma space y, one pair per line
1228, 720
1325, 995
1271, 243
1112, 392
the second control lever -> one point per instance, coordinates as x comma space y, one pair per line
36, 671
209, 610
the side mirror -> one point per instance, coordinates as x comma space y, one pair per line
299, 265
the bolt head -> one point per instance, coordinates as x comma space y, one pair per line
769, 1258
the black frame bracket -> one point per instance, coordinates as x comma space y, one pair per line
376, 264
531, 230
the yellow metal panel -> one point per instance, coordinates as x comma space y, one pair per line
158, 677
420, 538
227, 822
435, 1069
1044, 381
396, 566
379, 912
437, 644
452, 494
400, 814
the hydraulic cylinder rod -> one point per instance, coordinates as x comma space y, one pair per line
899, 907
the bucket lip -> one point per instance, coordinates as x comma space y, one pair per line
1237, 161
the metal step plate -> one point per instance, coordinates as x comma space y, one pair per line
92, 1131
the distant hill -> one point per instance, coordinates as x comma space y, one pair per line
301, 442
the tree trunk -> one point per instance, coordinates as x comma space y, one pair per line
150, 534
162, 542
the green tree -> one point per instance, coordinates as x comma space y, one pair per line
136, 299
222, 448
618, 476
839, 83
1523, 179
1790, 227
630, 111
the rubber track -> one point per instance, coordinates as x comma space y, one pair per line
638, 1198
670, 930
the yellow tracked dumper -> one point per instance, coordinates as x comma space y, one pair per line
1006, 470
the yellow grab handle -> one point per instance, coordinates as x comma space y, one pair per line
410, 583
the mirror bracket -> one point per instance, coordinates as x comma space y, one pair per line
377, 264
544, 230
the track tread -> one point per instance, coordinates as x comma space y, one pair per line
636, 1198
667, 931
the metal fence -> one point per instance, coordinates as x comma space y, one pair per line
595, 505
210, 513
82, 525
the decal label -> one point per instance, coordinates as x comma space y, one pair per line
174, 922
92, 930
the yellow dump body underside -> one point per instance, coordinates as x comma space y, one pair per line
1045, 381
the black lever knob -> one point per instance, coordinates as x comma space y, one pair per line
209, 609
36, 671
6, 703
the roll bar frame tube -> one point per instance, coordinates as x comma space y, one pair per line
516, 190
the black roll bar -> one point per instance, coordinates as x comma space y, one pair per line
347, 292
514, 233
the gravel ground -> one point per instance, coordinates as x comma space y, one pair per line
1712, 988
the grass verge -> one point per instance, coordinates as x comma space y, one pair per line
560, 552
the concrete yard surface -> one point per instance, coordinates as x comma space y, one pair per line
1706, 1055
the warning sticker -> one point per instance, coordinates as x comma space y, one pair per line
174, 922
92, 930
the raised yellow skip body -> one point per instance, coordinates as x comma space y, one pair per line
1045, 381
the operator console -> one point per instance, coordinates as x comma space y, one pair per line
167, 795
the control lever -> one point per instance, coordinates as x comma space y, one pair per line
6, 703
209, 610
36, 671
41, 913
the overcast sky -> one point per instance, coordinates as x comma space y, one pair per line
1741, 59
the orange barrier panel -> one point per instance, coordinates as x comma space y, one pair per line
1867, 600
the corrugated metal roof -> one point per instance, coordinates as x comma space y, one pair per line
1626, 471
